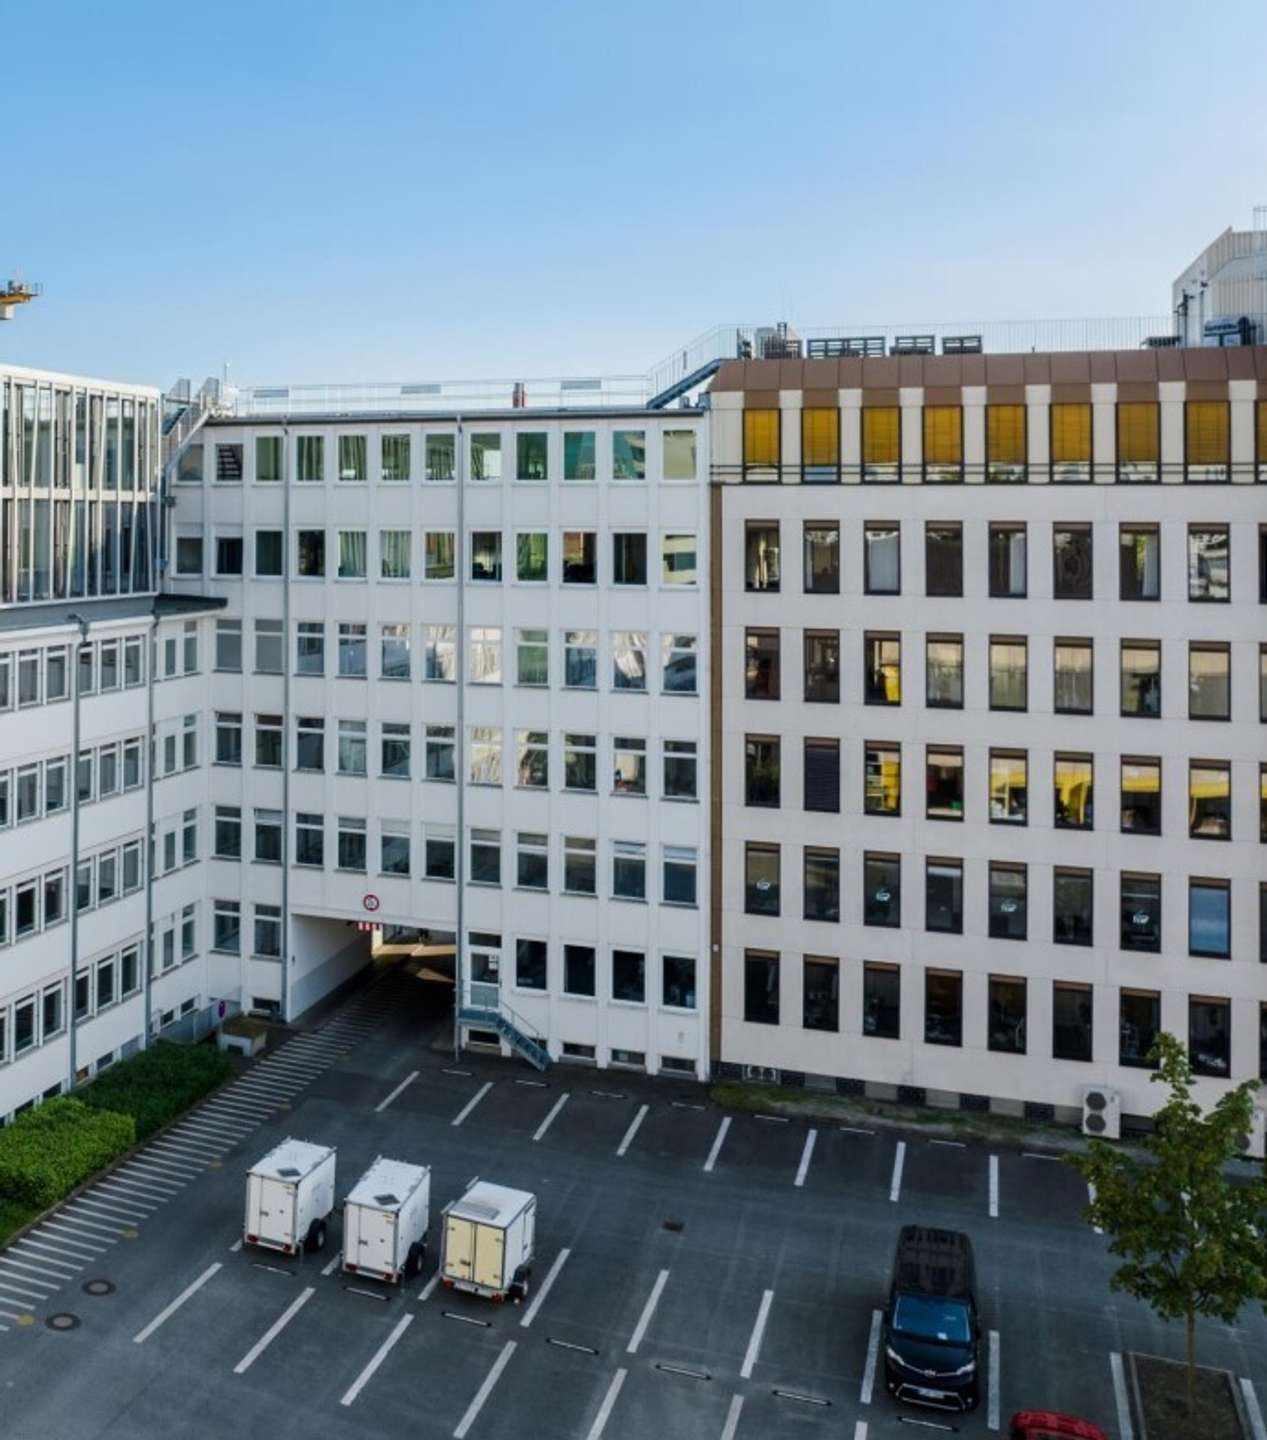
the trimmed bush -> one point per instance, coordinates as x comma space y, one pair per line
47, 1151
160, 1083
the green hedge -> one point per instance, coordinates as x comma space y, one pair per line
158, 1084
47, 1151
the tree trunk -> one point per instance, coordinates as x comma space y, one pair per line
1192, 1364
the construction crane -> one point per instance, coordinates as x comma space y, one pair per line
16, 292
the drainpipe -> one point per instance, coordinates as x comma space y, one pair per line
459, 659
151, 659
287, 958
74, 851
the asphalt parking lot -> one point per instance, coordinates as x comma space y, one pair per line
697, 1273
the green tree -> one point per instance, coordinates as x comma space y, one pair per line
1193, 1241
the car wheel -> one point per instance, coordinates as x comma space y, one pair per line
413, 1260
316, 1240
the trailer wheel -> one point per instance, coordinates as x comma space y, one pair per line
316, 1238
413, 1260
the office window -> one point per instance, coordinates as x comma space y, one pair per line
353, 555
580, 557
1073, 782
1071, 441
1071, 562
1007, 1014
394, 554
943, 443
310, 648
310, 840
882, 668
1139, 562
882, 565
1072, 914
580, 762
1141, 678
226, 926
531, 556
228, 738
438, 555
532, 862
882, 782
394, 457
486, 456
1207, 439
821, 771
629, 659
1262, 683
1138, 440
189, 554
679, 875
821, 558
310, 553
761, 664
352, 461
485, 754
439, 852
882, 1001
761, 556
882, 890
677, 560
761, 445
820, 993
1140, 912
531, 455
268, 741
268, 458
943, 1007
394, 650
822, 666
1262, 923
761, 987
1071, 1021
678, 455
761, 879
761, 771
1262, 803
1209, 681
578, 455
1008, 901
486, 654
580, 659
268, 836
820, 445
629, 870
440, 453
228, 645
1005, 443
578, 970
56, 669
270, 647
629, 454
439, 750
580, 865
678, 676
680, 766
352, 658
1210, 1035
1008, 547
1009, 787
1139, 1024
228, 555
1210, 919
310, 741
486, 556
1009, 681
629, 758
486, 857
629, 976
530, 964
629, 557
943, 672
352, 747
821, 883
1209, 800
943, 783
532, 657
881, 443
395, 748
943, 558
532, 759
1208, 575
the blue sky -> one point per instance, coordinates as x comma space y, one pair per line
326, 191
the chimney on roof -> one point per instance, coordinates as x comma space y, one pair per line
518, 396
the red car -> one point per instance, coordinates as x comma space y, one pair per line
1047, 1425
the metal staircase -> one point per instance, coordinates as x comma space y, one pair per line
485, 1008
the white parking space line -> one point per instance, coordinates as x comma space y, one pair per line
605, 1409
758, 1332
273, 1331
56, 1275
11, 1288
429, 1289
73, 1239
140, 1195
92, 1206
200, 1120
992, 1384
13, 1300
168, 1311
182, 1145
85, 1229
95, 1220
860, 1430
200, 1129
647, 1311
1124, 1428
236, 1246
164, 1181
262, 1091
381, 1354
472, 1103
994, 1187
634, 1124
332, 1265
551, 1276
399, 1090
899, 1160
1252, 1410
550, 1118
873, 1355
239, 1110
42, 1286
1091, 1201
159, 1160
717, 1144
802, 1170
54, 1249
732, 1418
485, 1390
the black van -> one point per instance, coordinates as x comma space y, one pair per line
931, 1332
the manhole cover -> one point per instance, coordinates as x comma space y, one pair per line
62, 1321
98, 1287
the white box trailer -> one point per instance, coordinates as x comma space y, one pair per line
289, 1197
385, 1220
488, 1240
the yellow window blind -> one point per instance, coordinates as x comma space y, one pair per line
760, 437
881, 435
1206, 426
1005, 434
943, 435
1070, 433
820, 436
1137, 431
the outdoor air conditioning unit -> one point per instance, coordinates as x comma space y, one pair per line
760, 1072
1102, 1113
1254, 1144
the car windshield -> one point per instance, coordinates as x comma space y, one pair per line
925, 1317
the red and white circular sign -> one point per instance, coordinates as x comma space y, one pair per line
371, 902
